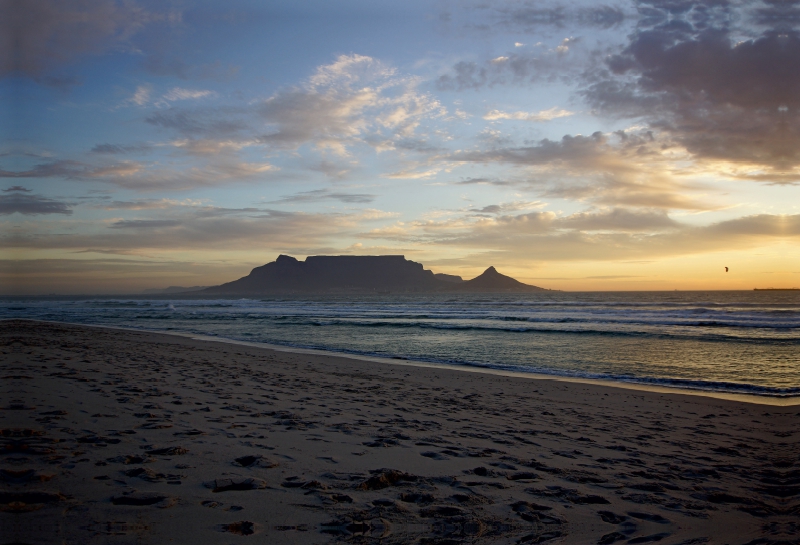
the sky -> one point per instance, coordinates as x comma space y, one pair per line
634, 145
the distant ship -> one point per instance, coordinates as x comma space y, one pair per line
776, 289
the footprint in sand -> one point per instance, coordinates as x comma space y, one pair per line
162, 502
241, 528
225, 485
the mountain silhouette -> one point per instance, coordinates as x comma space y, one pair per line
491, 280
358, 274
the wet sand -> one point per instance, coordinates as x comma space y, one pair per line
114, 436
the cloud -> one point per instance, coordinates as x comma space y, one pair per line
543, 115
142, 95
723, 95
39, 37
710, 77
18, 202
120, 149
601, 235
141, 177
563, 63
107, 252
143, 224
209, 146
178, 93
324, 195
620, 169
60, 168
209, 175
356, 99
505, 208
207, 123
620, 219
147, 204
205, 228
484, 181
531, 17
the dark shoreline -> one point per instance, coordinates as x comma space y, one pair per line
159, 437
660, 385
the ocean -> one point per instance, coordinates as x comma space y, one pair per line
731, 342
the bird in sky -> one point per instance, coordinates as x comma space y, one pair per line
726, 269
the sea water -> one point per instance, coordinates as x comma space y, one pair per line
734, 342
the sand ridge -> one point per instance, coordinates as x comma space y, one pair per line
124, 437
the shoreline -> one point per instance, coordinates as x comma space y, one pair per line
767, 400
158, 438
161, 438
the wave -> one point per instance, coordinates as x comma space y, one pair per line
714, 386
764, 345
732, 327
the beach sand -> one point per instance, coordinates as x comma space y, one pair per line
115, 436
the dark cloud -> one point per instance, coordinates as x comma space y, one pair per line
503, 208
620, 219
17, 188
491, 209
465, 75
144, 224
332, 169
39, 37
778, 14
106, 251
47, 170
137, 176
118, 149
206, 122
620, 169
715, 77
145, 204
535, 17
515, 68
693, 76
416, 144
531, 16
543, 23
30, 205
326, 195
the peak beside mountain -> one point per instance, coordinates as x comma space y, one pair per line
357, 274
491, 280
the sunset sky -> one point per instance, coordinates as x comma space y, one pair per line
572, 145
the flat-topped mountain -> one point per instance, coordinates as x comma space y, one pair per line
359, 274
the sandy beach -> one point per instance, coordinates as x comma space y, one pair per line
114, 436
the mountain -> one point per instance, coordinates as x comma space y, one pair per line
334, 274
448, 278
491, 280
357, 274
